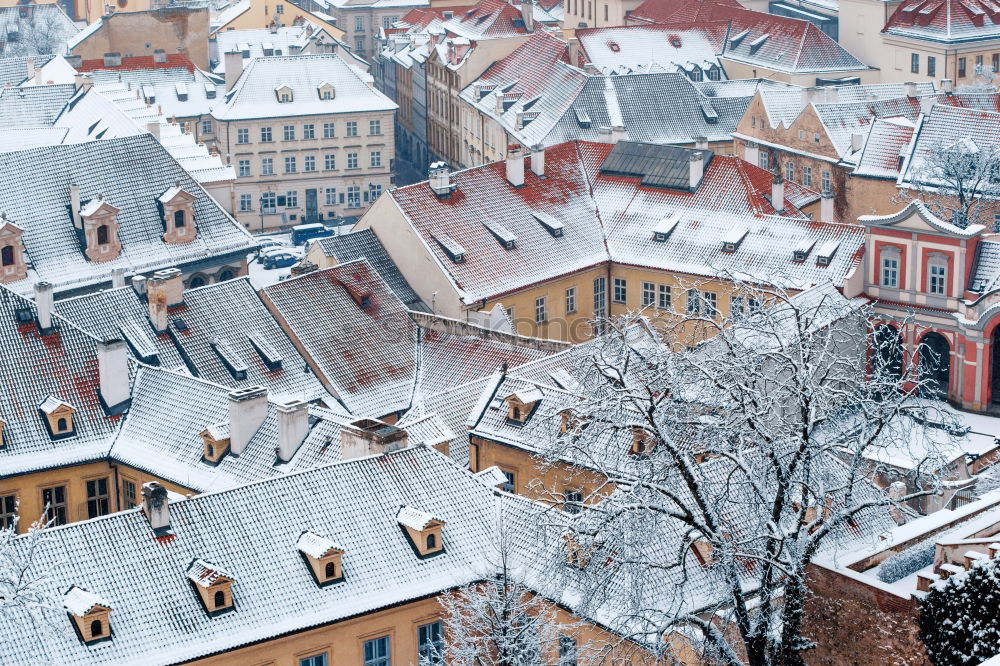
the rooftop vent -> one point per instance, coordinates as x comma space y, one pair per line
551, 224
665, 227
826, 252
182, 92
502, 234
209, 91
731, 241
451, 247
802, 250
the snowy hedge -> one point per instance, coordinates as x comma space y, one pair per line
960, 617
911, 560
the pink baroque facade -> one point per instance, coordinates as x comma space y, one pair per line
938, 288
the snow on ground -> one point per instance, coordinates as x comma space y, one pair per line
261, 277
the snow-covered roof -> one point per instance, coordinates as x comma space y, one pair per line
37, 29
205, 574
283, 40
315, 545
79, 601
415, 519
945, 21
52, 403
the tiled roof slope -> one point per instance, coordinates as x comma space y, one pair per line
171, 61
364, 244
37, 106
62, 365
947, 21
14, 70
783, 105
178, 90
284, 40
41, 29
626, 49
663, 11
943, 127
487, 19
254, 94
161, 435
586, 201
252, 532
130, 173
985, 276
886, 141
226, 313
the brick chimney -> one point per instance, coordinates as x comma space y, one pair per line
696, 169
164, 290
538, 160
367, 437
293, 426
515, 166
234, 68
156, 505
778, 193
826, 206
247, 410
112, 371
43, 302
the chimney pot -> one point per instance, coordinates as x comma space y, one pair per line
234, 68
911, 89
156, 505
112, 370
293, 426
366, 437
515, 166
538, 160
163, 290
43, 302
947, 86
31, 66
701, 142
826, 206
778, 193
247, 411
139, 284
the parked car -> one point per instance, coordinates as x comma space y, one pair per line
304, 232
279, 259
264, 251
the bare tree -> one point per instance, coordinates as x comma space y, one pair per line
24, 585
958, 182
723, 468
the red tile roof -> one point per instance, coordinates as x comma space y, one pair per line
140, 62
663, 11
946, 20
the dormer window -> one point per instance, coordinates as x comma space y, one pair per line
643, 442
324, 557
91, 615
100, 230
423, 530
521, 405
213, 585
327, 91
3, 426
215, 439
13, 266
665, 227
58, 417
801, 253
284, 94
178, 216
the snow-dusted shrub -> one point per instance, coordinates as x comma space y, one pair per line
911, 560
960, 617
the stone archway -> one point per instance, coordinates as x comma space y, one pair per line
935, 364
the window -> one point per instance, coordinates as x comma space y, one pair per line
8, 511
7, 255
510, 481
711, 302
996, 62
737, 307
102, 234
359, 23
246, 203
265, 134
309, 131
309, 163
567, 651
572, 500
600, 297
648, 294
329, 130
279, 9
815, 137
292, 199
98, 503
714, 74
352, 160
376, 158
890, 270
354, 197
620, 290
62, 424
269, 202
206, 127
430, 644
128, 494
938, 276
374, 192
807, 176
54, 500
915, 63
802, 135
242, 135
961, 68
96, 628
979, 62
267, 166
374, 127
789, 171
331, 196
664, 297
571, 300
605, 12
431, 541
825, 179
289, 133
179, 218
315, 660
931, 65
329, 162
763, 157
693, 302
290, 165
219, 598
352, 128
244, 168
540, 310
377, 652
359, 43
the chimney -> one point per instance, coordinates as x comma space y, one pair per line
74, 206
701, 142
573, 50
293, 426
247, 410
112, 371
43, 302
439, 179
826, 206
604, 134
38, 76
154, 129
31, 66
778, 193
156, 505
618, 133
159, 55
538, 160
528, 15
117, 278
112, 59
857, 141
234, 68
926, 104
947, 86
911, 89
163, 290
809, 95
139, 284
515, 166
368, 437
696, 169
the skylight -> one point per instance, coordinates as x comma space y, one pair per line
502, 234
551, 224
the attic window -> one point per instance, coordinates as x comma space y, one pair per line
675, 41
182, 92
209, 91
236, 366
423, 530
284, 94
327, 91
451, 247
643, 442
215, 442
272, 359
759, 42
502, 234
551, 224
324, 557
582, 118
213, 585
801, 253
91, 615
58, 417
521, 405
615, 48
665, 227
738, 37
731, 241
139, 342
826, 252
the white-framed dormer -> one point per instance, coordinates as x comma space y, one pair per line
284, 94
423, 530
177, 205
13, 263
100, 230
324, 557
59, 417
326, 91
